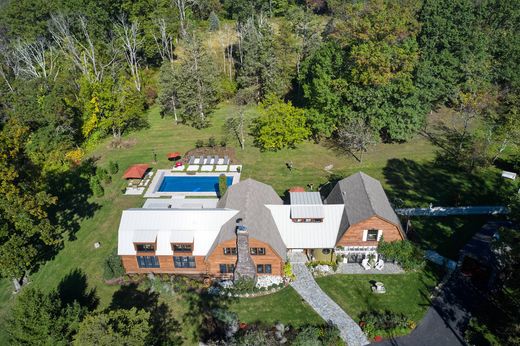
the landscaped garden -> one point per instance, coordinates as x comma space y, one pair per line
407, 294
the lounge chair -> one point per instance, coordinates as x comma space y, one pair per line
215, 159
380, 264
226, 160
192, 159
364, 264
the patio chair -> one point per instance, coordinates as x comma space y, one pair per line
364, 264
226, 160
215, 159
192, 159
380, 264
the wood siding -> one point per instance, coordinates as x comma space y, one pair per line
217, 257
166, 263
211, 266
354, 234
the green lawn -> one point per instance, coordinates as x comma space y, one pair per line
405, 293
285, 306
163, 136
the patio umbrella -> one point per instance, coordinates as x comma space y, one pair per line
296, 189
173, 155
136, 171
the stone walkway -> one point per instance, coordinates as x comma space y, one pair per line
307, 287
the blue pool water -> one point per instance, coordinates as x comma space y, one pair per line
191, 184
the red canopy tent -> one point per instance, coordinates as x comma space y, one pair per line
136, 171
173, 155
296, 189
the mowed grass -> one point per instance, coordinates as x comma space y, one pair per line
405, 293
163, 136
284, 306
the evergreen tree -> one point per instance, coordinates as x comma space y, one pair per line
214, 23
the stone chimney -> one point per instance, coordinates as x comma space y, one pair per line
245, 267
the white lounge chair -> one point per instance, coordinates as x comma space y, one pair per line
364, 264
380, 264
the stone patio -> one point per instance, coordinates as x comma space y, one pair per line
356, 268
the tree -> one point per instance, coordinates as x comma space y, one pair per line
366, 70
355, 136
258, 72
222, 184
131, 44
190, 86
280, 125
25, 230
39, 318
116, 327
214, 23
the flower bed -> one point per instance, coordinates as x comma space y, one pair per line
248, 288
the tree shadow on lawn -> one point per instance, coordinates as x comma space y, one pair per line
201, 313
74, 287
416, 184
73, 190
165, 329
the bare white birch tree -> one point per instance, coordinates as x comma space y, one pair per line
35, 60
182, 6
227, 37
163, 40
131, 43
82, 52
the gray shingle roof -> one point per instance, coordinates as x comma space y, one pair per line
250, 197
363, 197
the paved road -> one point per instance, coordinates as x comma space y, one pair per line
445, 321
445, 211
331, 312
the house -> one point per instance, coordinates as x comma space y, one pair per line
250, 231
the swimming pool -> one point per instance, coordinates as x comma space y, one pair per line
191, 184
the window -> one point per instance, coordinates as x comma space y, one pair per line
257, 251
184, 261
372, 234
263, 269
148, 262
181, 247
145, 247
227, 268
230, 251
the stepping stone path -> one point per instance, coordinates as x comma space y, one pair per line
309, 290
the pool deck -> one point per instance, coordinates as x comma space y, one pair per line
153, 192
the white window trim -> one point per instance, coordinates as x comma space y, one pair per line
379, 234
365, 234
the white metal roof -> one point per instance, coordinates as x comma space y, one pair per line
307, 212
308, 235
306, 198
200, 226
144, 236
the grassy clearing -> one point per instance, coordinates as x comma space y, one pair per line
285, 306
405, 293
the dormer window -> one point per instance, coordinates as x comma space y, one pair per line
182, 248
307, 220
145, 247
372, 234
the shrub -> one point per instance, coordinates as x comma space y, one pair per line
212, 142
332, 264
244, 285
199, 143
96, 187
223, 142
312, 335
384, 323
113, 167
287, 271
112, 267
405, 252
103, 175
222, 184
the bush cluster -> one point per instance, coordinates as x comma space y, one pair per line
332, 264
385, 323
112, 267
408, 255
